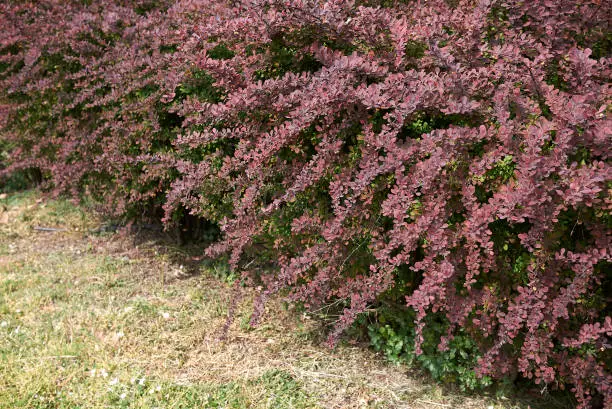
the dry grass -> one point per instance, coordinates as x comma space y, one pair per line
92, 321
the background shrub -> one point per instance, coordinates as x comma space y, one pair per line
452, 156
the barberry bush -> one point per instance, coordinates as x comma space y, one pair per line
449, 156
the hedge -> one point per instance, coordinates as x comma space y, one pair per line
450, 158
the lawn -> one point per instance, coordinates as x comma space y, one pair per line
108, 320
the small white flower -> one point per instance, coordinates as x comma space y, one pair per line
103, 373
141, 381
16, 330
114, 381
151, 391
3, 324
92, 372
165, 314
158, 388
122, 396
119, 334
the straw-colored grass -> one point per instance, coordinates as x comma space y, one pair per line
104, 320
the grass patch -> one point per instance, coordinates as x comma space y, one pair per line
111, 321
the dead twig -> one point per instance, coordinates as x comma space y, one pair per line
428, 402
49, 229
321, 374
50, 357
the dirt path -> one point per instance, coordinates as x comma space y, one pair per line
98, 321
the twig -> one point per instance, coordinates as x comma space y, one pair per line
573, 228
49, 229
105, 228
322, 374
52, 357
428, 402
327, 306
357, 248
397, 398
133, 227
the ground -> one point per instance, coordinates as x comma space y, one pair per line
107, 320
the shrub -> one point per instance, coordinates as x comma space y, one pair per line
393, 334
452, 155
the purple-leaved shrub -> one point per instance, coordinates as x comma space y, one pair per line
340, 144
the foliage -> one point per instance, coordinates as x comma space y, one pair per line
341, 144
394, 336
